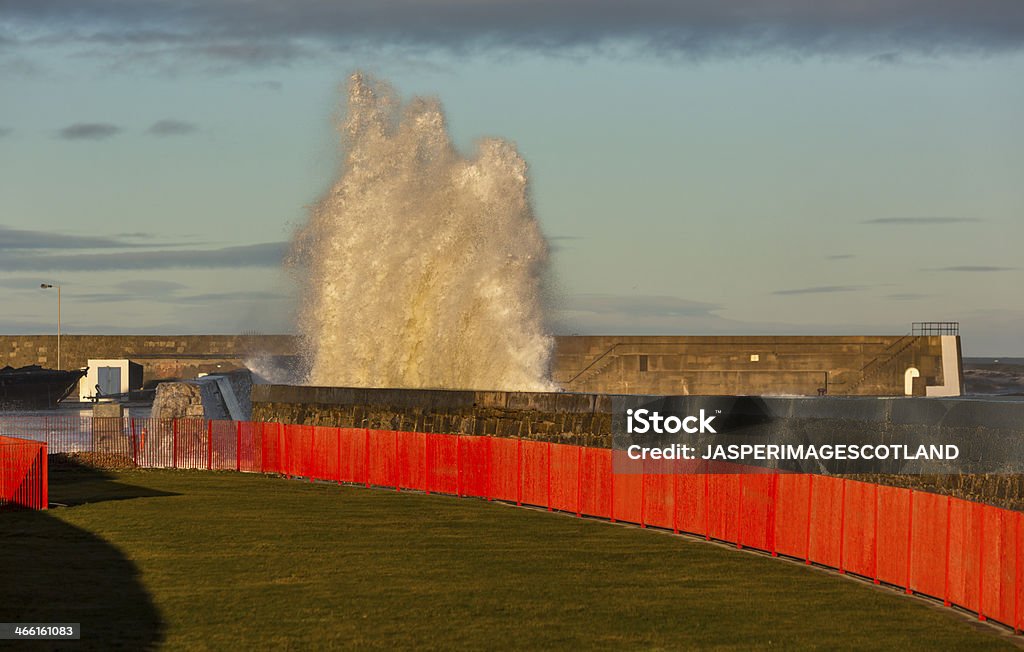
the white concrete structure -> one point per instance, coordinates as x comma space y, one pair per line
112, 376
951, 371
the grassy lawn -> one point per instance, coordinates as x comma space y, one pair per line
192, 560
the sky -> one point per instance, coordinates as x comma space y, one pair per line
700, 167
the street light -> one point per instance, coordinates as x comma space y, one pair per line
47, 286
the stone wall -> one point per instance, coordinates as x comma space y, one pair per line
586, 419
582, 419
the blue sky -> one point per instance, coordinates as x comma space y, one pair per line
699, 167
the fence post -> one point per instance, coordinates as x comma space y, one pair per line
45, 502
398, 459
707, 501
949, 527
579, 478
339, 454
174, 444
426, 462
366, 466
135, 442
519, 472
282, 451
1016, 574
842, 525
807, 544
739, 513
549, 476
675, 501
209, 445
490, 466
643, 493
874, 542
458, 465
981, 563
774, 507
910, 541
238, 446
611, 493
312, 469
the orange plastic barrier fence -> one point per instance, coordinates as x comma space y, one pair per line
963, 553
23, 476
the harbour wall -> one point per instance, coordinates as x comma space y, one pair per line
864, 365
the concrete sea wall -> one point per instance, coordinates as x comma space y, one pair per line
844, 365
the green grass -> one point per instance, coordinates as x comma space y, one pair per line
192, 560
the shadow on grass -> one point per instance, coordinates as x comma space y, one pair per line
55, 572
73, 483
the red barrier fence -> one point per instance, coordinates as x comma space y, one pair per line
966, 554
23, 477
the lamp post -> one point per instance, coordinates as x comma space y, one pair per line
47, 286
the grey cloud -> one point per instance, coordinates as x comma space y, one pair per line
840, 257
907, 296
242, 295
259, 255
150, 287
887, 58
28, 284
971, 268
5, 131
27, 239
637, 305
558, 243
164, 292
821, 289
599, 314
171, 128
265, 31
922, 221
25, 327
89, 131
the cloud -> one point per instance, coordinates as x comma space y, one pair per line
27, 239
150, 287
821, 289
906, 296
170, 292
270, 85
267, 31
639, 305
89, 131
558, 243
170, 127
241, 295
28, 284
636, 314
259, 255
921, 221
840, 257
602, 314
971, 268
5, 131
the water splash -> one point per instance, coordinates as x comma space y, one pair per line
421, 267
